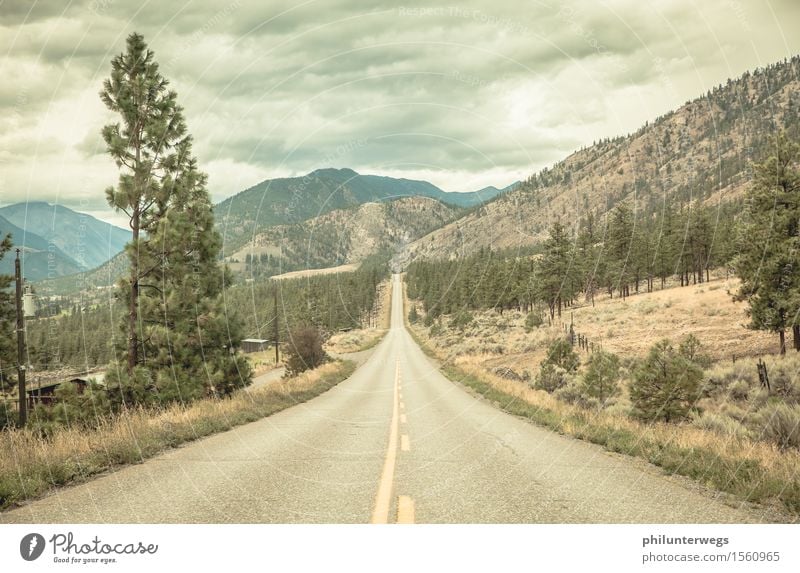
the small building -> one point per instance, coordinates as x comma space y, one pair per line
45, 395
254, 345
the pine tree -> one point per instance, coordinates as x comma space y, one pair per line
181, 341
767, 263
666, 385
7, 322
601, 379
143, 147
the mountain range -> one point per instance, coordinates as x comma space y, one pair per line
292, 200
57, 241
700, 152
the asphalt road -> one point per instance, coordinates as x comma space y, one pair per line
397, 441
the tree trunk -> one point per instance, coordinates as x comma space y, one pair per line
782, 334
133, 308
796, 336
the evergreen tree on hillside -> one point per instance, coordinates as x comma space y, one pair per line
178, 334
7, 322
556, 270
143, 146
769, 250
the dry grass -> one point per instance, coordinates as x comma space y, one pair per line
264, 361
313, 272
31, 464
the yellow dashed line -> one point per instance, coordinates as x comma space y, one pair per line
405, 444
383, 498
405, 509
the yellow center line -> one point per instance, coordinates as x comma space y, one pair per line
383, 499
405, 509
402, 405
405, 444
403, 419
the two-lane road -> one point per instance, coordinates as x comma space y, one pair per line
397, 441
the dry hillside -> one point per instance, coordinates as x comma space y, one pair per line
701, 151
344, 236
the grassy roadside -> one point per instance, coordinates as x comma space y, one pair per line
751, 471
31, 465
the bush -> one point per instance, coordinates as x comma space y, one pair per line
601, 380
779, 423
573, 392
666, 385
8, 415
560, 353
413, 315
722, 425
304, 350
533, 320
739, 390
551, 377
461, 320
691, 349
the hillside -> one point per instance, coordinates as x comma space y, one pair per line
40, 259
296, 199
86, 282
701, 151
341, 237
88, 241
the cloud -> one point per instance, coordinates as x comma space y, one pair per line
475, 93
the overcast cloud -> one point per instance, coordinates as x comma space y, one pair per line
474, 94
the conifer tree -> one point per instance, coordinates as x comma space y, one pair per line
767, 263
181, 342
143, 147
7, 321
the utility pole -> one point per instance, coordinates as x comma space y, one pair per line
23, 405
276, 325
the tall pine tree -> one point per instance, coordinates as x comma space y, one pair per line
180, 341
769, 252
7, 322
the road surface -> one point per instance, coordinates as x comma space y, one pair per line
396, 442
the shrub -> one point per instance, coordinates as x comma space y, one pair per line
739, 390
601, 380
573, 392
533, 320
691, 349
461, 320
779, 423
413, 315
304, 350
551, 377
666, 385
560, 353
8, 414
722, 425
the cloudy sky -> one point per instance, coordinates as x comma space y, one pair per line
465, 95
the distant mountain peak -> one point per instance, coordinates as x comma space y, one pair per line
334, 171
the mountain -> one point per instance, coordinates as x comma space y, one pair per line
293, 200
88, 241
701, 151
341, 236
40, 258
470, 199
87, 282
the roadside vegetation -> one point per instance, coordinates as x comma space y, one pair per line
33, 461
675, 372
746, 461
